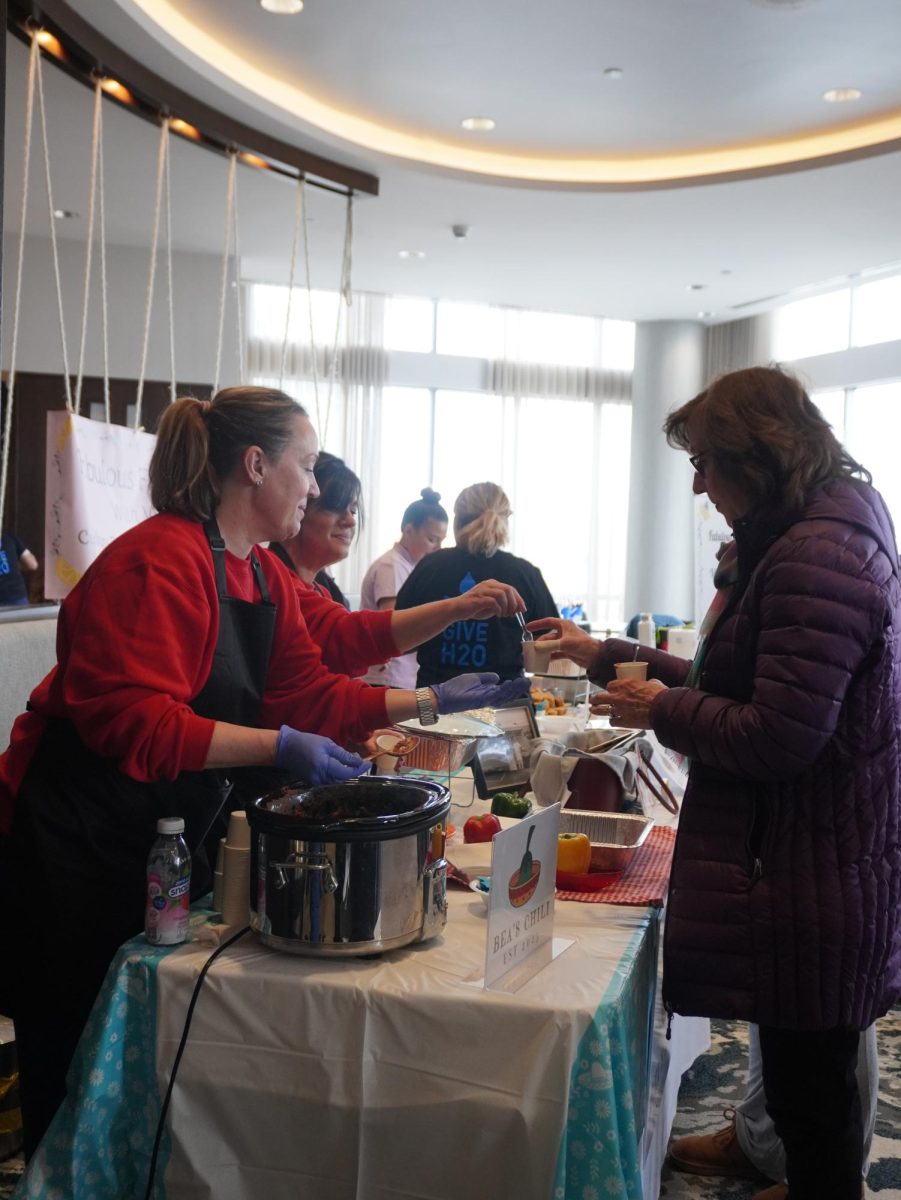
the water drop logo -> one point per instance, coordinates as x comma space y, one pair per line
467, 582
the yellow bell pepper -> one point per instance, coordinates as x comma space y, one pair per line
573, 853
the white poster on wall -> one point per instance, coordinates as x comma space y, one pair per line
97, 487
711, 531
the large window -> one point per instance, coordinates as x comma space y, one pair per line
876, 312
867, 420
549, 452
819, 325
861, 315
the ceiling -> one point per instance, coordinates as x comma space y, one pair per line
556, 199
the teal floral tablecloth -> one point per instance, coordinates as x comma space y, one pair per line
99, 1144
599, 1156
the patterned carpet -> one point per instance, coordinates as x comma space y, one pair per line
715, 1082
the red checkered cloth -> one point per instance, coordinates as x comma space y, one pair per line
646, 880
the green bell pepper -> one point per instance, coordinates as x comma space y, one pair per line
508, 804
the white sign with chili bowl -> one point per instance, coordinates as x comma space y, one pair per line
521, 900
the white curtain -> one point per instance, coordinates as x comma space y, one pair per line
572, 418
738, 344
344, 402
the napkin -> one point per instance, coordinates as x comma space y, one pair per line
550, 773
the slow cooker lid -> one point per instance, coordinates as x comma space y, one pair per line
360, 804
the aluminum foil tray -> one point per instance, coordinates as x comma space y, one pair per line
614, 837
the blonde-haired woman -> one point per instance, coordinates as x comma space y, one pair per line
481, 528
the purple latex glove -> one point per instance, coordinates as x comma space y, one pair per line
316, 759
477, 691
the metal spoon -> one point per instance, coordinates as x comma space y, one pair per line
526, 633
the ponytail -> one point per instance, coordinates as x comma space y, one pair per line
481, 515
181, 476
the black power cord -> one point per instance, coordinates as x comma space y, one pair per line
161, 1123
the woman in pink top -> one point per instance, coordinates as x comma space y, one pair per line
423, 529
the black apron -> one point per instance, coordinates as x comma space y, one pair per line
88, 818
83, 830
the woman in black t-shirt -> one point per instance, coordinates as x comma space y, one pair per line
481, 516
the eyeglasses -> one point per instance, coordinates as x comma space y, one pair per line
698, 463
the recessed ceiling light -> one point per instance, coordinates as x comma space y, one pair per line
695, 287
613, 72
285, 8
841, 95
411, 253
704, 314
478, 124
65, 214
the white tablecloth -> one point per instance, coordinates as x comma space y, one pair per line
380, 1079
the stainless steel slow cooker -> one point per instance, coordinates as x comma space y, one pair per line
349, 868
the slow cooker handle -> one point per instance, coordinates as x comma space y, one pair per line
306, 862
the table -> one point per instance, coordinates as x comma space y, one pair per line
390, 1077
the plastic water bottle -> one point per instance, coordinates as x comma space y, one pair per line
168, 885
647, 631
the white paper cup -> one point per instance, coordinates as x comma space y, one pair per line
238, 831
631, 670
536, 656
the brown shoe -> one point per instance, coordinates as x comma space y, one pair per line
714, 1154
778, 1191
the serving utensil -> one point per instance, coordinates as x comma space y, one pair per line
526, 633
666, 797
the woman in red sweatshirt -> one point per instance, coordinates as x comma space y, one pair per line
184, 669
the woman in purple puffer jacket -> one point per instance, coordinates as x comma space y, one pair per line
785, 897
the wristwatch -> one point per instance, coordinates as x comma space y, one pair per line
425, 706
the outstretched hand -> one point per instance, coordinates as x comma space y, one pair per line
489, 599
477, 691
574, 642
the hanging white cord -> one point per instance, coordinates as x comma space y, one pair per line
89, 251
344, 300
104, 309
162, 151
17, 302
172, 383
298, 209
236, 257
53, 244
314, 363
226, 246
